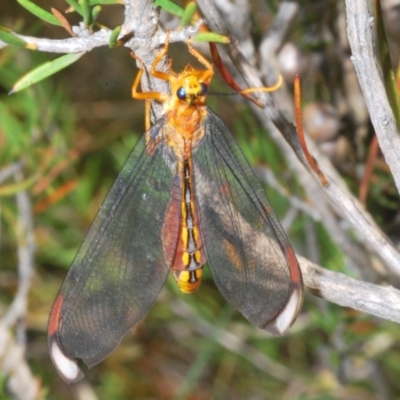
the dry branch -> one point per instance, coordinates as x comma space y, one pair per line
382, 302
20, 381
360, 25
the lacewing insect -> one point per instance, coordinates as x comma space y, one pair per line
185, 196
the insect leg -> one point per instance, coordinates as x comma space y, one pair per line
200, 57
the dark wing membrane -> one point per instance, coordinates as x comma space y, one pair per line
120, 267
248, 252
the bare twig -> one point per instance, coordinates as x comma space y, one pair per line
85, 42
9, 171
382, 302
82, 43
20, 381
26, 249
360, 33
276, 36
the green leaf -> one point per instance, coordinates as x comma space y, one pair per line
170, 7
74, 4
85, 11
39, 12
210, 37
105, 2
113, 41
188, 14
7, 36
45, 70
13, 188
95, 13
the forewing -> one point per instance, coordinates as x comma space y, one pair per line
250, 257
120, 268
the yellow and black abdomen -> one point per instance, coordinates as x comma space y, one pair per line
183, 247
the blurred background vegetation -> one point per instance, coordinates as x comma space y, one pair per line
69, 136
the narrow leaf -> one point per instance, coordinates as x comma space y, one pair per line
64, 22
7, 36
113, 41
211, 37
45, 70
188, 14
39, 12
75, 6
85, 11
95, 13
13, 188
398, 80
105, 2
170, 7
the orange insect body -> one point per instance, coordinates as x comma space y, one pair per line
183, 115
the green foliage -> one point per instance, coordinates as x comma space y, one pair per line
35, 130
188, 13
105, 2
203, 358
45, 70
111, 386
170, 7
3, 391
75, 6
210, 37
8, 37
114, 37
331, 255
85, 10
39, 12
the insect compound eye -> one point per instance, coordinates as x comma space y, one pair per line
181, 93
203, 88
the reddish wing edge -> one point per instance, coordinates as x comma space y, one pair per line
67, 367
282, 322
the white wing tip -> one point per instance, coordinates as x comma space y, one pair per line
288, 314
66, 367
